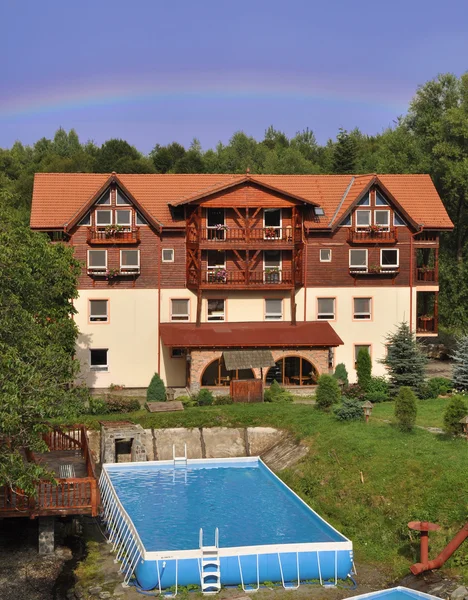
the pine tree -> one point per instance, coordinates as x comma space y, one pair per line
455, 411
406, 409
156, 391
344, 153
460, 370
328, 392
405, 361
364, 369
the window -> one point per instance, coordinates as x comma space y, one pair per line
358, 347
347, 221
362, 309
105, 199
397, 220
358, 258
380, 200
121, 199
97, 260
180, 309
273, 309
177, 352
86, 220
98, 360
130, 260
325, 255
365, 200
272, 266
382, 218
216, 310
389, 258
272, 223
215, 223
326, 308
216, 258
363, 218
103, 217
168, 255
123, 217
98, 311
140, 219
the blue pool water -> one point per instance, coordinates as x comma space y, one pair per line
398, 593
168, 506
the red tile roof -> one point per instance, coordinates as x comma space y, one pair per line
247, 335
59, 197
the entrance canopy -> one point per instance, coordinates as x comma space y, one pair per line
280, 334
247, 359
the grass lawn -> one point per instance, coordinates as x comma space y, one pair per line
430, 412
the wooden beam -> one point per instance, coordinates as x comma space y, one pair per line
293, 307
199, 306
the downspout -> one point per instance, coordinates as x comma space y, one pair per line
412, 236
306, 243
159, 300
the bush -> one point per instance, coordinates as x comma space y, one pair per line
113, 404
444, 385
156, 391
378, 384
205, 398
364, 369
405, 409
377, 397
187, 401
97, 406
428, 391
341, 373
456, 410
328, 392
276, 393
405, 361
350, 410
221, 400
355, 391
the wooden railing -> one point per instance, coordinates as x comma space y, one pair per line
103, 235
242, 235
57, 439
427, 324
426, 274
370, 236
239, 278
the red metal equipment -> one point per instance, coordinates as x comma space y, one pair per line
426, 565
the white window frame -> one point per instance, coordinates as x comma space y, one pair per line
98, 318
110, 211
395, 214
117, 203
361, 203
350, 224
107, 202
396, 266
280, 268
360, 226
327, 260
182, 316
326, 316
213, 227
385, 202
138, 218
96, 269
218, 316
351, 250
165, 260
116, 218
362, 316
278, 227
272, 316
90, 217
126, 268
384, 227
99, 368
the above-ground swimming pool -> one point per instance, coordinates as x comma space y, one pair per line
214, 522
396, 593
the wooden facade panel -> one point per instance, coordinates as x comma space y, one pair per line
250, 195
173, 274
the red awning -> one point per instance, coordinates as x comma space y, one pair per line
248, 335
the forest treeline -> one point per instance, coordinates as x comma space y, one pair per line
431, 138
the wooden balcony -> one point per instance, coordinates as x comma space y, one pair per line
374, 271
426, 275
76, 495
241, 237
373, 236
427, 325
111, 235
242, 279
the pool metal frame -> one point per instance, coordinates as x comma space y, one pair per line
124, 536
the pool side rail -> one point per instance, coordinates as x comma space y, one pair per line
450, 548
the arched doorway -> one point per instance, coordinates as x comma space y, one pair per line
215, 374
292, 370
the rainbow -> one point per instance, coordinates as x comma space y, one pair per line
253, 87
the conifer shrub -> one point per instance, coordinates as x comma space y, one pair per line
205, 397
364, 369
456, 410
188, 401
444, 384
156, 391
376, 397
276, 393
406, 409
460, 370
350, 410
328, 392
222, 400
405, 361
378, 384
341, 373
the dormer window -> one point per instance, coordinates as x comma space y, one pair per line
105, 199
365, 200
363, 218
382, 219
380, 200
103, 217
121, 199
86, 220
123, 217
140, 219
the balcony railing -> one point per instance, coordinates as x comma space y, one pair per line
113, 273
242, 235
373, 236
375, 271
427, 324
426, 274
240, 278
111, 235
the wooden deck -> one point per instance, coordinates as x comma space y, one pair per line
66, 496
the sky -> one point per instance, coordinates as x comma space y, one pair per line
157, 71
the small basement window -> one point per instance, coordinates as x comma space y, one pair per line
168, 255
273, 309
98, 359
98, 311
177, 352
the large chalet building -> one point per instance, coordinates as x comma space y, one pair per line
180, 270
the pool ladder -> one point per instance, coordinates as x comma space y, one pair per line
179, 460
210, 574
